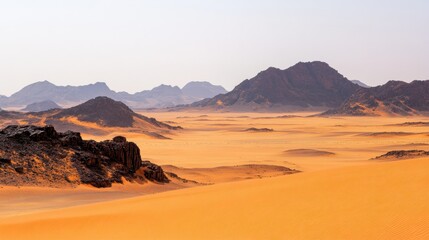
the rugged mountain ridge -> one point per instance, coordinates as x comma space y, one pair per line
161, 96
41, 156
392, 98
304, 85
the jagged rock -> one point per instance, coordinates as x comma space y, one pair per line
72, 139
30, 132
126, 153
154, 172
54, 158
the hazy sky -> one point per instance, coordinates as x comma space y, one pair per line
135, 45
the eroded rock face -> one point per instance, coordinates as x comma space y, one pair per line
153, 172
41, 156
126, 153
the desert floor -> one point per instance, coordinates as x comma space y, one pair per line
238, 188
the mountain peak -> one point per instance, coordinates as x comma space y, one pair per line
305, 84
42, 83
102, 110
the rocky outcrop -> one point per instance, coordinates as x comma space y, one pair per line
403, 154
153, 172
41, 156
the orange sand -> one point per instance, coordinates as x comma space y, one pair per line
343, 195
377, 201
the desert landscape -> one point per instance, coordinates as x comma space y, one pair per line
325, 174
159, 120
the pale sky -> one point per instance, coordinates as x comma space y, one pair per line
136, 45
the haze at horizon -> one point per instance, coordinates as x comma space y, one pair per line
137, 45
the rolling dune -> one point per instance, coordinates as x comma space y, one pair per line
374, 201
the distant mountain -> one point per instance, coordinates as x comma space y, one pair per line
2, 100
161, 96
202, 90
64, 95
107, 112
304, 85
392, 98
360, 83
41, 106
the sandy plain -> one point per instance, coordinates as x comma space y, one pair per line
341, 192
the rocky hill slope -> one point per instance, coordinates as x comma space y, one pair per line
392, 98
310, 84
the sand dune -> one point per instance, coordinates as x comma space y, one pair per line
229, 173
375, 201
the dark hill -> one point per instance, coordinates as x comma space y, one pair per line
311, 84
107, 112
392, 98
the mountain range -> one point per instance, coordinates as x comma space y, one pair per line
308, 86
158, 97
315, 86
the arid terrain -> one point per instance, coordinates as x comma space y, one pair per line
232, 179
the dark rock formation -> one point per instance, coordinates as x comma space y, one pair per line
259, 130
312, 84
153, 172
31, 155
5, 160
401, 154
